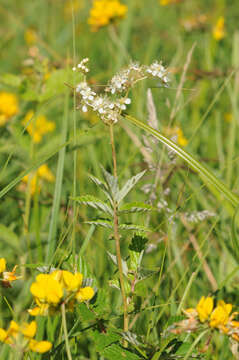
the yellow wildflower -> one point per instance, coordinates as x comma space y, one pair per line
51, 290
228, 117
220, 315
8, 106
42, 173
84, 294
204, 308
40, 346
219, 29
30, 36
15, 333
7, 276
105, 11
37, 127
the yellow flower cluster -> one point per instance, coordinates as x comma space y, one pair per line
42, 173
60, 286
8, 106
218, 31
219, 317
37, 127
22, 336
7, 276
105, 11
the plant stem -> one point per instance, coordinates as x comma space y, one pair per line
117, 237
63, 312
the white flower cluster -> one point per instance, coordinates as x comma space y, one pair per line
158, 70
82, 67
107, 108
128, 77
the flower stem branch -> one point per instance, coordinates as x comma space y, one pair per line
117, 237
63, 312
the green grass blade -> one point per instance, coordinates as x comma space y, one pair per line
210, 180
58, 186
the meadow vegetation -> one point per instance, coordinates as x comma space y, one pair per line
119, 168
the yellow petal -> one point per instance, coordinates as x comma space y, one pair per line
29, 330
84, 294
2, 265
40, 346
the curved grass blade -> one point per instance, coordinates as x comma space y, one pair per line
209, 179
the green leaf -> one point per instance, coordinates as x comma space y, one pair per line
183, 349
124, 263
102, 340
84, 313
112, 183
101, 222
11, 80
116, 352
134, 227
102, 186
94, 202
134, 207
206, 175
128, 186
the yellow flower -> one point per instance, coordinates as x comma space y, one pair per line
8, 106
46, 290
37, 127
40, 346
204, 308
105, 11
42, 173
14, 336
228, 117
51, 290
178, 133
30, 36
219, 29
2, 265
84, 294
220, 315
7, 276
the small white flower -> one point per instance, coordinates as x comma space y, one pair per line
127, 101
84, 108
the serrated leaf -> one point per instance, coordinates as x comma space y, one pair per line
116, 352
128, 186
134, 207
101, 303
124, 263
84, 313
101, 222
134, 227
102, 340
94, 202
102, 186
112, 183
